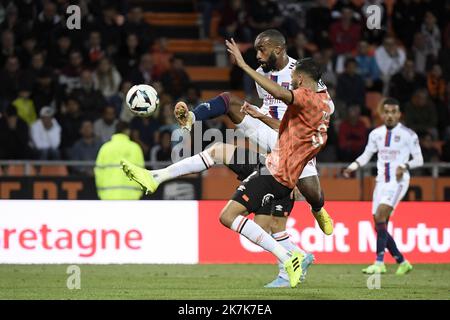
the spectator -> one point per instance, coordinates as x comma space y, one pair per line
37, 67
46, 23
367, 68
94, 49
144, 73
86, 148
325, 58
91, 100
106, 78
166, 120
406, 19
404, 83
44, 90
29, 46
46, 135
233, 22
25, 105
444, 53
162, 152
125, 114
161, 57
59, 55
175, 80
429, 151
13, 23
350, 86
263, 15
420, 113
318, 21
128, 56
192, 98
437, 89
352, 135
390, 59
10, 78
70, 74
432, 34
345, 34
70, 121
109, 28
14, 136
110, 181
135, 24
300, 48
8, 47
420, 53
105, 127
143, 132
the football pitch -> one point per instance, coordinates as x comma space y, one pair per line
426, 281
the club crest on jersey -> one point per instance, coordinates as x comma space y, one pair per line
396, 138
267, 198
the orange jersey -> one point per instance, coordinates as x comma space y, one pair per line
302, 134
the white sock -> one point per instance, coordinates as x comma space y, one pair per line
257, 235
284, 240
197, 163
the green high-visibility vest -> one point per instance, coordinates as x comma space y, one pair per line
111, 181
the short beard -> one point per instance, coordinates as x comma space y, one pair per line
270, 64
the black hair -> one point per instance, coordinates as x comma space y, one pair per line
390, 100
275, 36
310, 67
121, 126
349, 60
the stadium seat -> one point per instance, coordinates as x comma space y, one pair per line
171, 19
55, 171
190, 46
209, 94
208, 73
19, 170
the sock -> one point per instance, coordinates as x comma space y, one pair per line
213, 108
197, 163
284, 239
393, 250
382, 236
316, 207
257, 235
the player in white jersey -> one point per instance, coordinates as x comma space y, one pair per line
271, 54
394, 144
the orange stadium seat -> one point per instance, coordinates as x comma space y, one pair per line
19, 170
55, 171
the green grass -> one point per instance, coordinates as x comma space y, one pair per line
217, 282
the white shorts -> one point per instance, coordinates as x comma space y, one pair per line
265, 137
389, 193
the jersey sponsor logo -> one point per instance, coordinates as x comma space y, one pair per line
279, 207
396, 138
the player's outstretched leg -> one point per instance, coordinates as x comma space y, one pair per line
310, 188
232, 216
151, 179
224, 103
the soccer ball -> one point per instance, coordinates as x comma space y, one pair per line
142, 100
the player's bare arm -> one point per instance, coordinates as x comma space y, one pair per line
254, 112
277, 91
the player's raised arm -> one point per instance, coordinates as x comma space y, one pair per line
277, 91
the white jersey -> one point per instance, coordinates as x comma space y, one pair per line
394, 148
274, 107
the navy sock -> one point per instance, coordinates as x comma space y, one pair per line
393, 250
316, 207
213, 108
382, 236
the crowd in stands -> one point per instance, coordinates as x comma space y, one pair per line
62, 91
